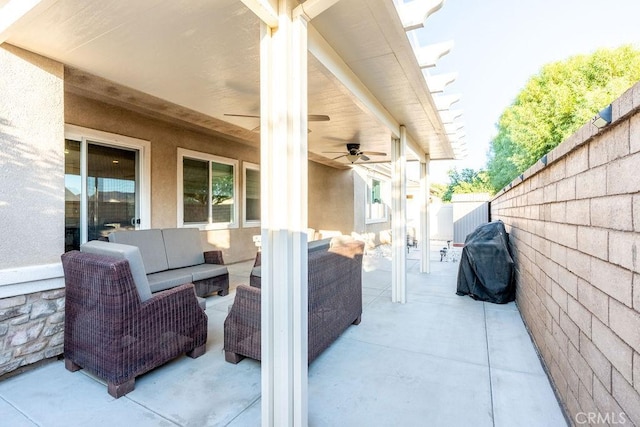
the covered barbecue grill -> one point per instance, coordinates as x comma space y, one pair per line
486, 267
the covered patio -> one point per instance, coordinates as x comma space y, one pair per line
439, 360
298, 91
275, 93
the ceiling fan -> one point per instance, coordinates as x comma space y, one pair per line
310, 117
354, 154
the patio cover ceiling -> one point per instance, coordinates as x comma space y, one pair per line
195, 61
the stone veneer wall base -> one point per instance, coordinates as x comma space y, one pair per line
31, 329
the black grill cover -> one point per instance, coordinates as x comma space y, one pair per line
486, 266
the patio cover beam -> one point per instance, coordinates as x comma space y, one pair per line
312, 8
415, 13
284, 189
266, 10
332, 61
398, 218
363, 97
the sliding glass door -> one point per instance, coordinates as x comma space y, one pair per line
111, 190
102, 190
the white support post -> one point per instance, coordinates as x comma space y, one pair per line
398, 219
425, 217
284, 188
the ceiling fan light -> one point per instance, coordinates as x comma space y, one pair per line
352, 157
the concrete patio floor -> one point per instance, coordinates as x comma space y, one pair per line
438, 360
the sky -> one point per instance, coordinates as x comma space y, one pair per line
500, 44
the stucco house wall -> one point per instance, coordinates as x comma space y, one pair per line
31, 208
31, 159
331, 204
574, 225
337, 203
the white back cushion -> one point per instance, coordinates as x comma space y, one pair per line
128, 252
151, 247
183, 247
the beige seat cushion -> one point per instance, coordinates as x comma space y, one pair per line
206, 271
168, 279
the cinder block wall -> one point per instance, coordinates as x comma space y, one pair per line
574, 227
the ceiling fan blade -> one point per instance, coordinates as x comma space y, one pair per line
375, 153
336, 158
311, 117
364, 157
318, 118
373, 162
334, 152
243, 115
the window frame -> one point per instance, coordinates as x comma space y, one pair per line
254, 167
368, 206
209, 158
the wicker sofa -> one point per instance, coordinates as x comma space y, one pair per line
334, 298
115, 327
174, 256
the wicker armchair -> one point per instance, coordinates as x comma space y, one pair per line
256, 272
112, 333
335, 302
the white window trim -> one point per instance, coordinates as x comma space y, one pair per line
248, 223
366, 201
197, 155
85, 135
377, 221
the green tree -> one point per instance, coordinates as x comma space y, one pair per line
554, 104
438, 189
466, 181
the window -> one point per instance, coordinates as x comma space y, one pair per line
195, 184
376, 200
206, 190
251, 195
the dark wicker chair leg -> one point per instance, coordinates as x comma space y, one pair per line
70, 365
358, 320
232, 357
223, 292
197, 352
119, 390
